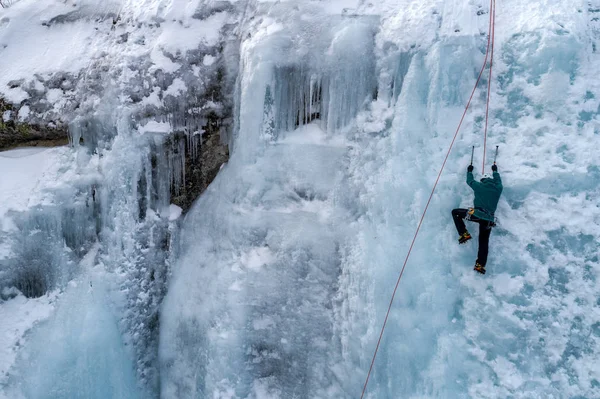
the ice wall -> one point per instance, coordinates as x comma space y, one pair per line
79, 352
144, 86
317, 70
451, 333
111, 192
290, 244
249, 310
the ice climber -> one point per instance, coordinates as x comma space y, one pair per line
487, 195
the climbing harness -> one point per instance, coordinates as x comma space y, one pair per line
470, 212
490, 45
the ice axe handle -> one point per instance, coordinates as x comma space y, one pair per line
473, 152
495, 156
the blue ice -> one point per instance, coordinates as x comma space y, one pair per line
78, 353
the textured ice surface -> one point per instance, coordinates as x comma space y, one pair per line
288, 262
76, 61
78, 353
261, 269
19, 315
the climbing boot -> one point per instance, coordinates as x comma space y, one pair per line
479, 268
464, 237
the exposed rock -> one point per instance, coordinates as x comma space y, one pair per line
200, 172
206, 10
16, 134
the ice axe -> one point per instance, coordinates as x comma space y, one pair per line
495, 156
473, 152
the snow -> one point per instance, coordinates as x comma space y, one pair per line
28, 47
25, 172
24, 113
174, 212
153, 98
179, 36
155, 127
312, 134
161, 61
208, 60
18, 316
54, 95
177, 87
78, 352
257, 258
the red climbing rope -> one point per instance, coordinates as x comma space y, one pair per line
489, 88
487, 51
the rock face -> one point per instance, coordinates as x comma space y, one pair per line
202, 170
134, 66
201, 164
15, 134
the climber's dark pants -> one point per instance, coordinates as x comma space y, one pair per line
485, 229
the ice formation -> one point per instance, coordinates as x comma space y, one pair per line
278, 278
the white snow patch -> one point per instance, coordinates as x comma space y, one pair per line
256, 258
24, 112
236, 286
208, 60
25, 174
53, 95
506, 285
155, 127
39, 86
15, 95
174, 212
312, 134
163, 62
32, 48
153, 98
18, 315
263, 323
177, 87
181, 37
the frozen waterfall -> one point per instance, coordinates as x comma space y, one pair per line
79, 353
288, 261
253, 293
276, 281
